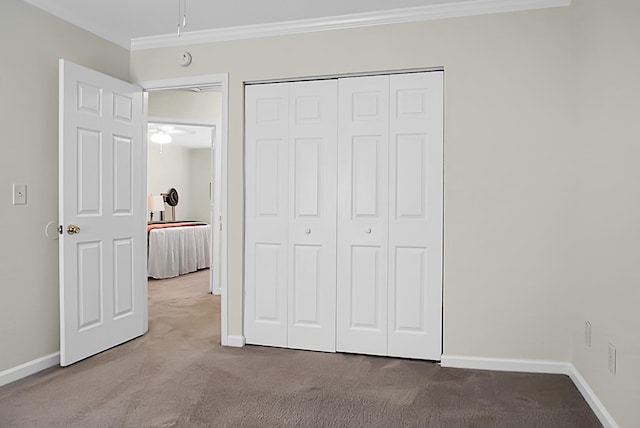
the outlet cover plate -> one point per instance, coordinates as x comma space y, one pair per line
612, 359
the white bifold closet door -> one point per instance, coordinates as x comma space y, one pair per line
390, 179
290, 254
266, 213
363, 195
343, 233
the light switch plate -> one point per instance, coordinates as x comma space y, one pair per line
19, 194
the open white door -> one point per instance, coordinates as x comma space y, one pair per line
102, 212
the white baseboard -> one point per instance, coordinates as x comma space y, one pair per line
535, 366
506, 364
236, 341
29, 368
596, 405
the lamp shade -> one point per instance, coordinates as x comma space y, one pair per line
156, 203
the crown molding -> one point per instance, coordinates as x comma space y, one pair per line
395, 16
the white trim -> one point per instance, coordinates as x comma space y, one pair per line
344, 75
590, 397
172, 121
30, 367
236, 341
536, 366
505, 364
219, 80
394, 16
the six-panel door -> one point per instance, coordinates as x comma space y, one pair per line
102, 274
415, 216
266, 214
312, 218
290, 215
372, 281
363, 151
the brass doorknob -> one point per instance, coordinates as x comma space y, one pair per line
72, 229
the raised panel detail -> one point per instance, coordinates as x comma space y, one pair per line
307, 177
410, 283
411, 182
306, 287
267, 175
411, 103
366, 106
122, 108
122, 175
365, 287
89, 172
268, 110
365, 179
123, 277
307, 110
266, 282
89, 285
89, 98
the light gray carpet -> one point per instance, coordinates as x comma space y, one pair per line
178, 375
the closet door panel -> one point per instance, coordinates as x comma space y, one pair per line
415, 215
312, 215
266, 221
362, 215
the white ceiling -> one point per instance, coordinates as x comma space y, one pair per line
127, 21
188, 136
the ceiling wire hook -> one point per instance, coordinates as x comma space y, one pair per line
182, 15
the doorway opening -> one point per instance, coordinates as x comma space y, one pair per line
192, 112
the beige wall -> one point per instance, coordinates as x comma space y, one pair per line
31, 41
203, 107
541, 172
525, 125
200, 177
606, 286
186, 170
170, 169
507, 143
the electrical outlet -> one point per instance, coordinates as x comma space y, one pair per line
612, 359
587, 334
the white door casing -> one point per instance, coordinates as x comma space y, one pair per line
415, 215
363, 147
215, 211
312, 215
101, 190
266, 214
220, 80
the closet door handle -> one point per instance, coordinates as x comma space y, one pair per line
307, 231
367, 230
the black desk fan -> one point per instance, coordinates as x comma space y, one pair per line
171, 199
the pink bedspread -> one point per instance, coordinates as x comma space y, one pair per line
150, 227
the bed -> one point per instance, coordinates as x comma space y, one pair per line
177, 248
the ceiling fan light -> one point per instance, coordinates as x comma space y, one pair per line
160, 138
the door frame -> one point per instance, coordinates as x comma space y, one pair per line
220, 80
214, 197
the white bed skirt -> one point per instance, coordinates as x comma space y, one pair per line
178, 250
